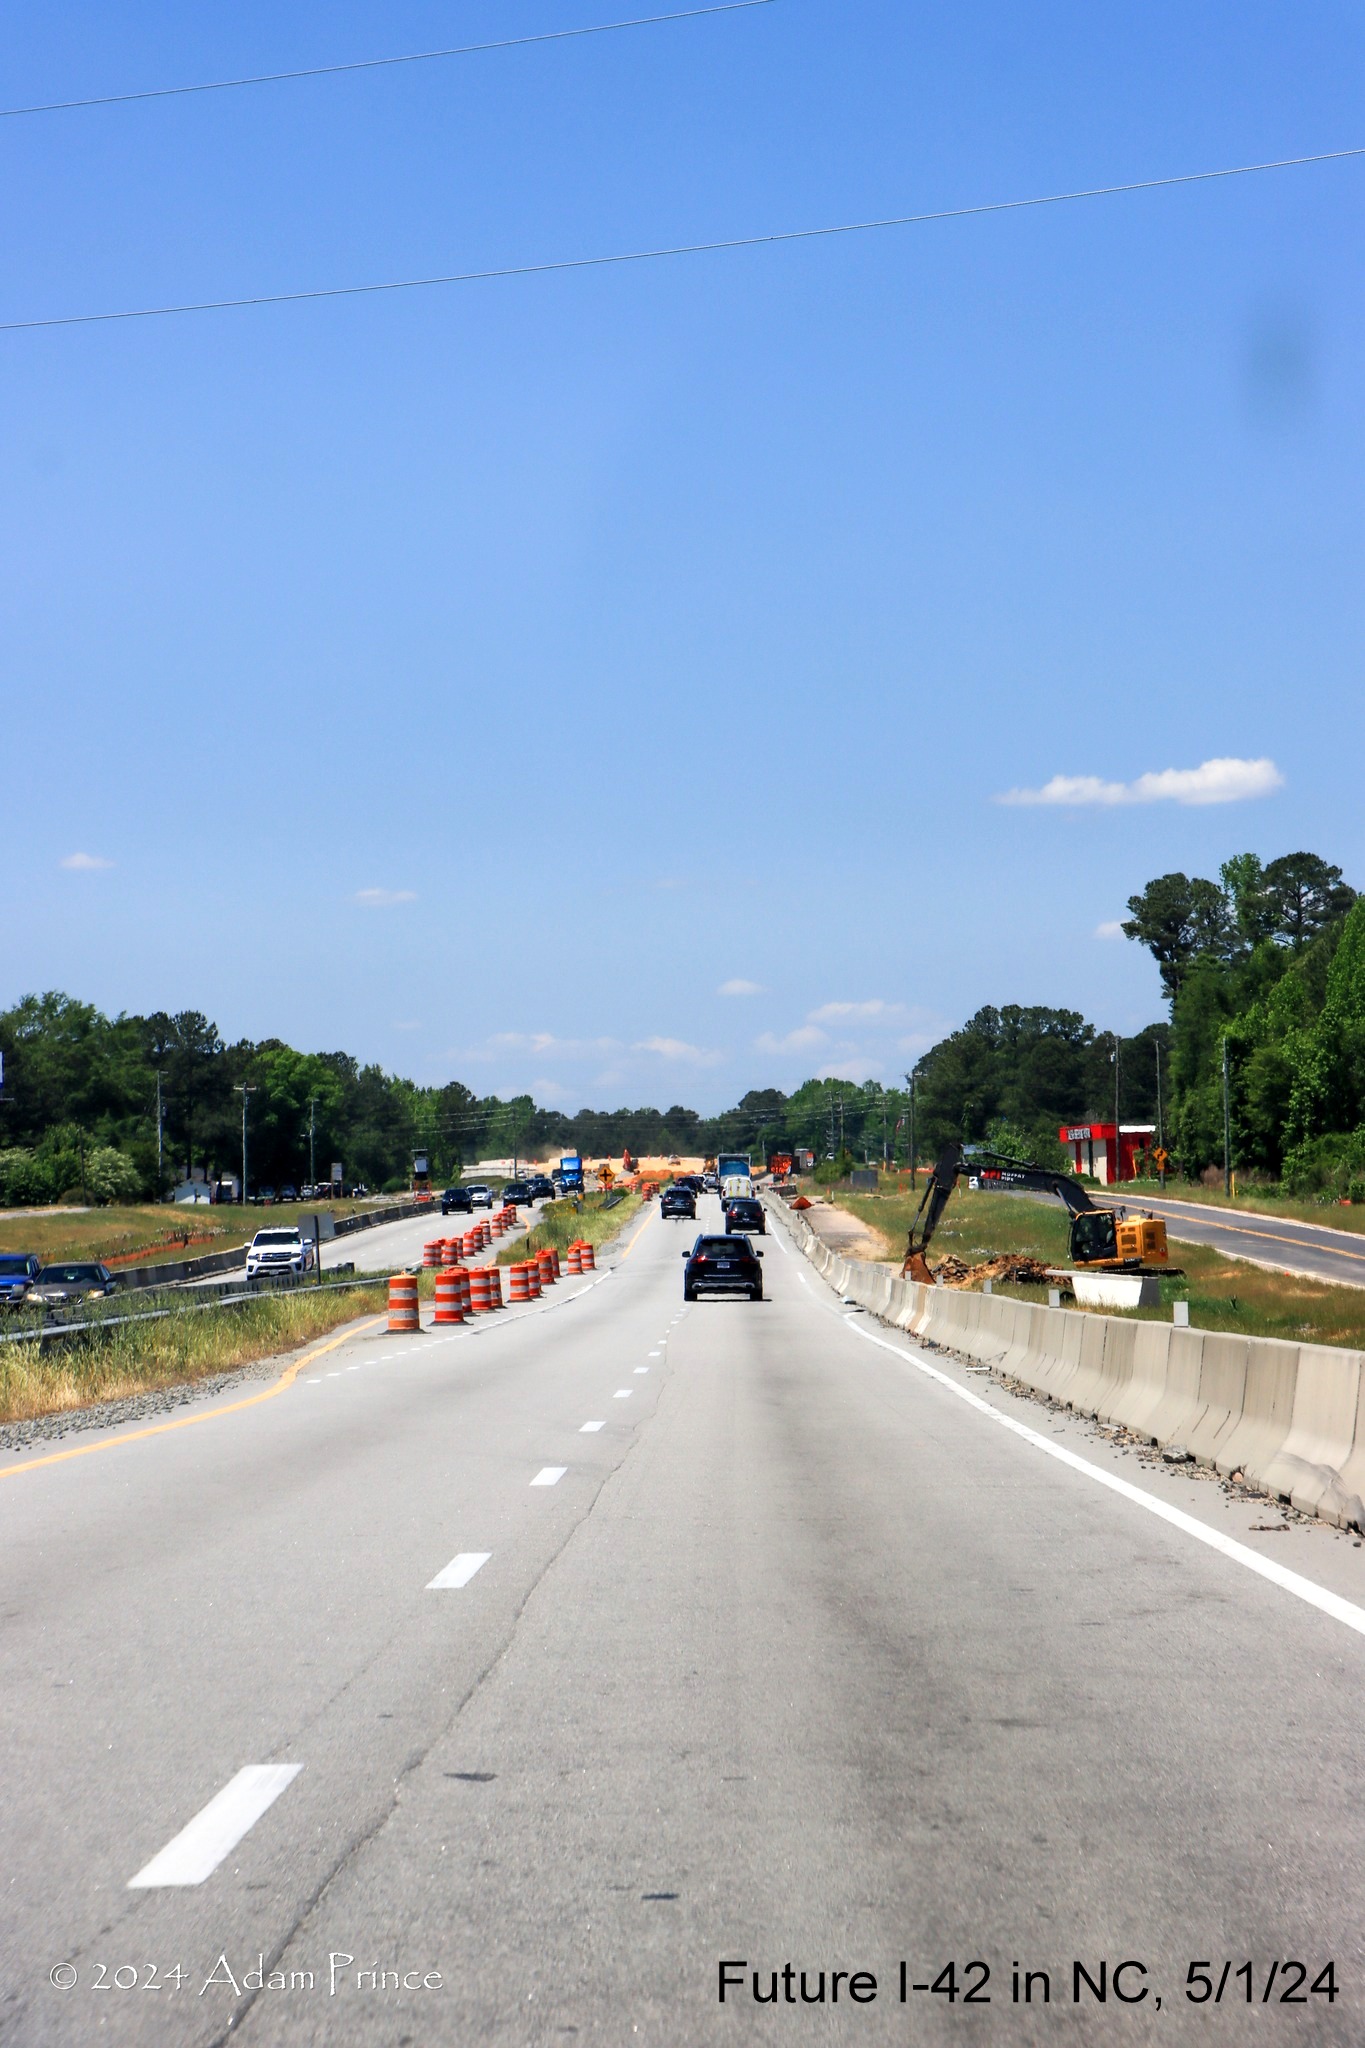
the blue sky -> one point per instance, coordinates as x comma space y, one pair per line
487, 679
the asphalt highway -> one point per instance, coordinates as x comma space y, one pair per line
552, 1663
1307, 1248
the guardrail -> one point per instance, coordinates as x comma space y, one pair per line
43, 1332
1289, 1417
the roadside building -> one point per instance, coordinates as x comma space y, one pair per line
1093, 1149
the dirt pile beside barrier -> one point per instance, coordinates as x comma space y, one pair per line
1007, 1267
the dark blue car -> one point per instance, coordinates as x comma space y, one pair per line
18, 1271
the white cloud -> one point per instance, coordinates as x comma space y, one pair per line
678, 1049
383, 899
853, 1070
804, 1039
1226, 781
740, 987
1112, 928
828, 1013
918, 1041
545, 1041
85, 863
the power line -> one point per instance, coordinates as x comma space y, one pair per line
557, 35
575, 263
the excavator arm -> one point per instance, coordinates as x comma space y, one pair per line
1095, 1231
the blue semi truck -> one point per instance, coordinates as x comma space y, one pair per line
571, 1173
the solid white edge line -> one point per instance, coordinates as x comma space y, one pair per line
549, 1475
459, 1571
589, 1427
1344, 1611
195, 1853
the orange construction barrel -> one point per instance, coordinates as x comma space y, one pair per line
495, 1296
448, 1292
450, 1251
431, 1253
403, 1316
480, 1288
554, 1254
573, 1259
520, 1287
546, 1262
469, 1244
461, 1278
585, 1252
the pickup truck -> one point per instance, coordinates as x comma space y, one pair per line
279, 1251
18, 1271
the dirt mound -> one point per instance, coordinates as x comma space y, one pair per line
1007, 1267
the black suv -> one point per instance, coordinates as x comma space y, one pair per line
458, 1200
542, 1187
517, 1194
742, 1212
722, 1265
678, 1201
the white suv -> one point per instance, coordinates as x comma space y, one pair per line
481, 1195
279, 1251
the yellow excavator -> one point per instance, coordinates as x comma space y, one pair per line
1101, 1239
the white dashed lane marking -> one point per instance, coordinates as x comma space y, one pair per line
549, 1475
621, 1394
589, 1427
641, 1368
215, 1831
459, 1571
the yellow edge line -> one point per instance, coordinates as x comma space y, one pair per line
112, 1443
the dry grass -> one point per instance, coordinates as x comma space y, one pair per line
1224, 1294
107, 1233
108, 1365
560, 1223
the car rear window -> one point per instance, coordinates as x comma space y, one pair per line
723, 1246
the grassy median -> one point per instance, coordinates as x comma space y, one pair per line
560, 1223
1224, 1294
153, 1233
187, 1345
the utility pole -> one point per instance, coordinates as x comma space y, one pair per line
1160, 1133
245, 1091
841, 1124
160, 1174
1227, 1125
312, 1134
1118, 1153
911, 1079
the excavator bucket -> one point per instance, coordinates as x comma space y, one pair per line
916, 1267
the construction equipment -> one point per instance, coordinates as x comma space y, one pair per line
1101, 1239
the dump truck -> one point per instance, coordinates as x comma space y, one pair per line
1102, 1240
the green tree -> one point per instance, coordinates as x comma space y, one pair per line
1304, 894
1177, 919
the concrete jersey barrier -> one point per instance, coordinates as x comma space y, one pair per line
1289, 1417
